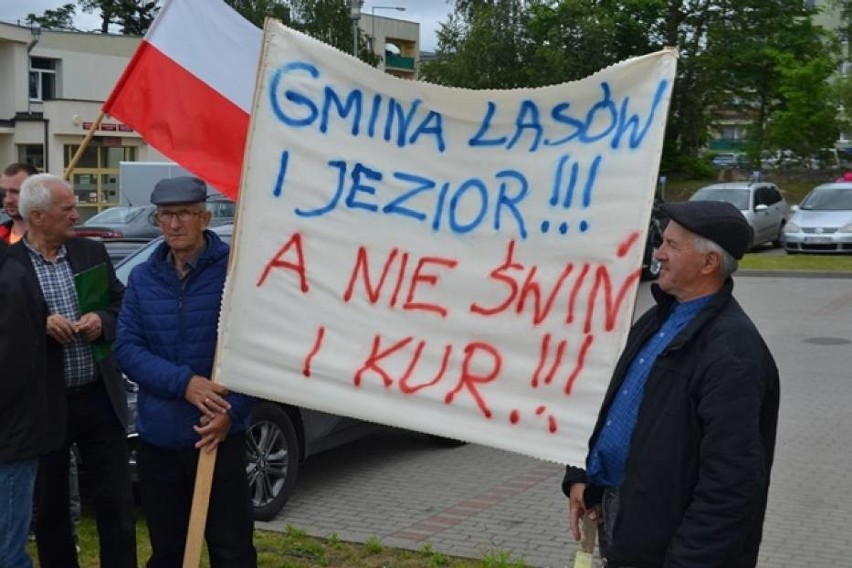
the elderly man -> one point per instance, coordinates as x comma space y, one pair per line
10, 182
166, 341
682, 450
24, 395
83, 297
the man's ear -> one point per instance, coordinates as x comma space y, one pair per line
712, 262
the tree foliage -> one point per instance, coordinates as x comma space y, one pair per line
329, 21
734, 55
256, 11
61, 18
133, 17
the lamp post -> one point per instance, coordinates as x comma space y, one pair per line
373, 20
355, 14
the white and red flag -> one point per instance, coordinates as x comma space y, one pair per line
188, 89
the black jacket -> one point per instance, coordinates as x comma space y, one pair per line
24, 389
697, 474
83, 254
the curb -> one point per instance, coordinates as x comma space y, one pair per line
794, 273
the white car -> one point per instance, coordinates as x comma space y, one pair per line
761, 203
822, 223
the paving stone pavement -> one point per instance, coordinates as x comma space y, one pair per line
469, 501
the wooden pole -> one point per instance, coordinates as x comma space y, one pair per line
83, 145
198, 513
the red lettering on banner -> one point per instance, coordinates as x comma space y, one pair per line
277, 262
542, 357
362, 266
531, 288
431, 279
306, 366
404, 385
498, 274
574, 292
581, 362
470, 381
371, 364
611, 308
361, 273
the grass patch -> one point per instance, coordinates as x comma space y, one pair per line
293, 548
800, 262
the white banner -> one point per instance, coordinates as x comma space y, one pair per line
457, 262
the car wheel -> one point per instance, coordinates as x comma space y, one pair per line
272, 450
777, 243
651, 267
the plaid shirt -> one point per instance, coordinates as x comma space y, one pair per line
57, 285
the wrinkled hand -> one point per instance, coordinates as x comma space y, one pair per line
207, 396
89, 326
213, 431
577, 509
61, 328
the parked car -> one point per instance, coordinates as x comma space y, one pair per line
121, 222
822, 222
761, 203
281, 435
650, 265
724, 160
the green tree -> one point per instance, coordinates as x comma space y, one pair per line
256, 11
134, 17
806, 121
61, 18
329, 21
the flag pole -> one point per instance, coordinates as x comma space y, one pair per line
83, 145
200, 504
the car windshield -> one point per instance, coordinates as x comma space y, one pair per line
828, 199
116, 215
128, 263
736, 197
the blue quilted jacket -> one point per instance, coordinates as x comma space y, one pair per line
166, 334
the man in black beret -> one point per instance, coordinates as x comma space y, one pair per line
166, 341
678, 467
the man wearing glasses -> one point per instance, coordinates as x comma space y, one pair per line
166, 341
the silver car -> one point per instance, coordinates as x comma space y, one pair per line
761, 203
822, 223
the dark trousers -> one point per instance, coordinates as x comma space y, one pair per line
167, 482
102, 443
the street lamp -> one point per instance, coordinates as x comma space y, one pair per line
373, 20
355, 14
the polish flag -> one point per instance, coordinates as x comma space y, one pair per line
188, 89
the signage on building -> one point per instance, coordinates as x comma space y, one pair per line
108, 127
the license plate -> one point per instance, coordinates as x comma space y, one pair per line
818, 240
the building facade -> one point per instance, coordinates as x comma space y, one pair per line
52, 86
397, 42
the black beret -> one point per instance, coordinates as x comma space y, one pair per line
185, 189
717, 221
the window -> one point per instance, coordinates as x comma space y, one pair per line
95, 178
43, 78
32, 154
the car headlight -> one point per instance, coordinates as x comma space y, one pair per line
847, 228
791, 227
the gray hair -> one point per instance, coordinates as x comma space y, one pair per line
36, 193
727, 263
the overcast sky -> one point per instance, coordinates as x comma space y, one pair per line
427, 12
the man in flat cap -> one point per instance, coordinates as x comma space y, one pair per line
166, 340
677, 472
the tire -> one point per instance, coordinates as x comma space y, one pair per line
273, 456
777, 243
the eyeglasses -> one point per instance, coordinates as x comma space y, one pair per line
181, 215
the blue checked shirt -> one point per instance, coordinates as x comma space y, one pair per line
57, 285
605, 464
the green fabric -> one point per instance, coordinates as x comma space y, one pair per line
93, 294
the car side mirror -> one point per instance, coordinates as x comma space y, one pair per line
794, 208
761, 207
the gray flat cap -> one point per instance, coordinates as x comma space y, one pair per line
185, 189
